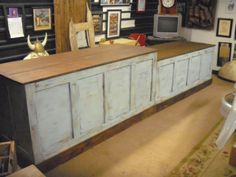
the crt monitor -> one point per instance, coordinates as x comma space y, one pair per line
166, 26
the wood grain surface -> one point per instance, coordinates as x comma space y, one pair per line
55, 65
172, 49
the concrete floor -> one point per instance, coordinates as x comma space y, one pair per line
154, 146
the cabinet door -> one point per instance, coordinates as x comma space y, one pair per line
54, 118
166, 73
90, 103
206, 65
181, 74
143, 83
194, 69
117, 92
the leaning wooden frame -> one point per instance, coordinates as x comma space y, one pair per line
8, 160
87, 27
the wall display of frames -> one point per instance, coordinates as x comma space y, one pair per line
114, 2
224, 53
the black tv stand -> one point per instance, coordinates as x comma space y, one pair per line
151, 40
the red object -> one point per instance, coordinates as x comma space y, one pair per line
141, 38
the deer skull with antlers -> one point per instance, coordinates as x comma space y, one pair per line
37, 48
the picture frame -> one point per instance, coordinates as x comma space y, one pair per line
224, 53
115, 2
230, 6
113, 24
42, 19
224, 27
15, 20
13, 12
141, 5
97, 22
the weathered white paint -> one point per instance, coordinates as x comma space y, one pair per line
166, 75
181, 73
143, 83
66, 110
118, 95
89, 103
194, 69
52, 105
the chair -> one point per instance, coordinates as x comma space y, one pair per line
75, 28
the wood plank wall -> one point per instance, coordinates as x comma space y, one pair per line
17, 49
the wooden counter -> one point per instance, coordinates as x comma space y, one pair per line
173, 49
55, 65
56, 107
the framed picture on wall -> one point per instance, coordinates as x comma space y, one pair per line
114, 2
230, 6
224, 53
224, 27
42, 19
14, 18
113, 23
97, 23
141, 5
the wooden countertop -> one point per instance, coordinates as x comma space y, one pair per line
172, 49
29, 71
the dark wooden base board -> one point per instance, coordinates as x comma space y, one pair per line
82, 147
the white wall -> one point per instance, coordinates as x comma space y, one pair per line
210, 37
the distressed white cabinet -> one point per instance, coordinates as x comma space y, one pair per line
118, 92
181, 73
194, 68
54, 104
143, 83
89, 103
50, 106
166, 76
206, 64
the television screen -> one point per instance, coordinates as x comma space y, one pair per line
167, 24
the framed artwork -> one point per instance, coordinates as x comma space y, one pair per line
114, 2
42, 19
97, 23
13, 12
198, 14
14, 18
141, 7
224, 27
230, 6
113, 23
224, 53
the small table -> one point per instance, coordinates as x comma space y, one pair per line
123, 41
